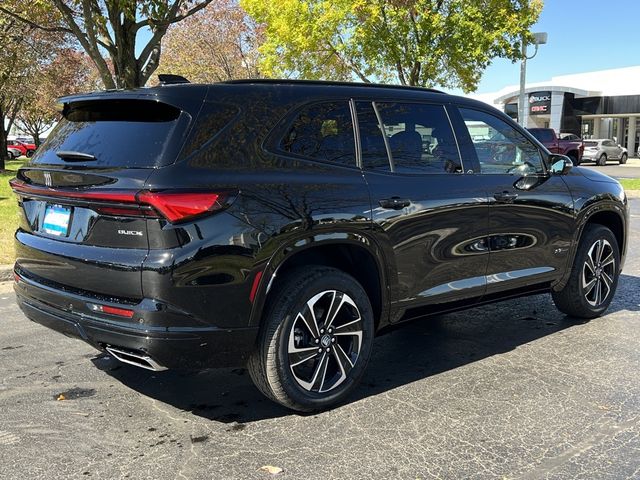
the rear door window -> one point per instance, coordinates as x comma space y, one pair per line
118, 133
407, 138
322, 131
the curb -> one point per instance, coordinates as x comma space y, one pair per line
6, 273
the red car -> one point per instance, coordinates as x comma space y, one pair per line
25, 148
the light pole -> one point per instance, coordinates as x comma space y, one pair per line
539, 38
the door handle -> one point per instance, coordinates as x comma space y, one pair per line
505, 197
394, 203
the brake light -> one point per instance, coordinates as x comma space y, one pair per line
120, 312
174, 206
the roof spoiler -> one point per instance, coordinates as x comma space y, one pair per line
169, 79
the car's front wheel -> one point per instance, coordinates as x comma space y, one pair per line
594, 275
315, 340
602, 160
623, 159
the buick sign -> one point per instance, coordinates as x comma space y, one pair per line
539, 103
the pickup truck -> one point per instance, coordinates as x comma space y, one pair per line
571, 148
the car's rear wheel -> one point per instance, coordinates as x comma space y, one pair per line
10, 155
623, 159
602, 160
315, 340
594, 275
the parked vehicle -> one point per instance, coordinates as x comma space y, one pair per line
570, 147
600, 150
13, 152
570, 136
26, 149
283, 224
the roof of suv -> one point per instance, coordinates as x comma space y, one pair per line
276, 81
177, 92
202, 87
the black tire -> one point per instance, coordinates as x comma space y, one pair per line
575, 299
574, 159
283, 330
10, 155
623, 159
602, 160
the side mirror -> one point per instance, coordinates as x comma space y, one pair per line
560, 164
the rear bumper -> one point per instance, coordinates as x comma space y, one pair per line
157, 330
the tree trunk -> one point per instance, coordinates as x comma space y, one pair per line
3, 140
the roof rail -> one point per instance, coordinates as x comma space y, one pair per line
328, 82
169, 79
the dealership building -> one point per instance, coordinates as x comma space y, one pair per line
602, 104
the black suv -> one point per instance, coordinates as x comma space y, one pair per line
281, 224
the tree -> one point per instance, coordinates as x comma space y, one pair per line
69, 72
219, 43
23, 52
411, 42
110, 26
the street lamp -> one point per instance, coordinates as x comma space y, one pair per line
539, 38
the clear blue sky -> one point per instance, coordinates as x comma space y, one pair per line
584, 36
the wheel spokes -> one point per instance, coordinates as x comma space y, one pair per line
325, 341
608, 261
598, 273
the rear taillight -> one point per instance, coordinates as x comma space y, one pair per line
180, 206
175, 206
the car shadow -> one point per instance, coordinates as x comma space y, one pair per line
413, 352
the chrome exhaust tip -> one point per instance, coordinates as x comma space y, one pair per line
135, 358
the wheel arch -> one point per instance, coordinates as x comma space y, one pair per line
355, 255
613, 221
608, 214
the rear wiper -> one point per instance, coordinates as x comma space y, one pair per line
73, 156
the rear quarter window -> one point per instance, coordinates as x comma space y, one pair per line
322, 131
118, 133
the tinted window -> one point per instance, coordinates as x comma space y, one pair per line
123, 133
542, 134
413, 138
500, 147
590, 144
322, 132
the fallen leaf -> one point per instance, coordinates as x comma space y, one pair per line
61, 397
271, 469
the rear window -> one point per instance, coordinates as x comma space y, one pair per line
118, 133
545, 136
590, 144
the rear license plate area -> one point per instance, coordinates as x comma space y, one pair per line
56, 220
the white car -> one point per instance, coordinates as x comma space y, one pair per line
600, 150
13, 152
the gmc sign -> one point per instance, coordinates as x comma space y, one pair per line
539, 103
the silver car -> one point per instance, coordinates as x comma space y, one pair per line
600, 150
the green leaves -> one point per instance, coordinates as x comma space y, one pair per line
416, 42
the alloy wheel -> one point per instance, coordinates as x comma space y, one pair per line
598, 272
325, 341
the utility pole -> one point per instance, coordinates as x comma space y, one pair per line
539, 38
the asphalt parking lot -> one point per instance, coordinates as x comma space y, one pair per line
511, 390
629, 170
